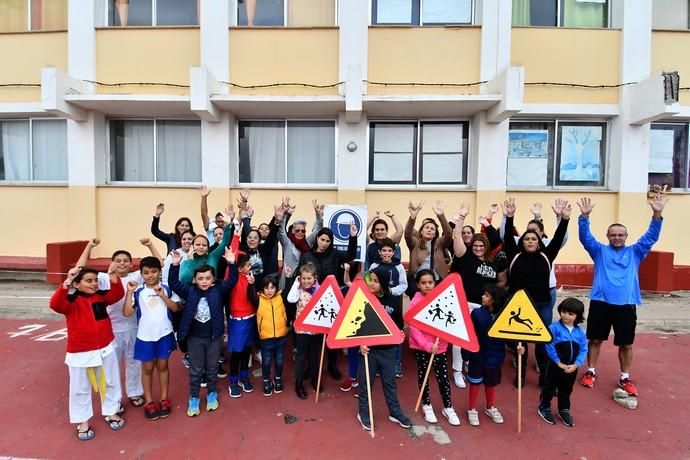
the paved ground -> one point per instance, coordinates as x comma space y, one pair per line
34, 385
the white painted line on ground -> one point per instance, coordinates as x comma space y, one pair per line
22, 297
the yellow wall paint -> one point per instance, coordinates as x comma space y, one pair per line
265, 56
424, 55
669, 52
23, 55
161, 55
586, 56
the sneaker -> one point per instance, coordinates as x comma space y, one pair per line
429, 415
547, 416
185, 361
246, 385
566, 418
365, 423
459, 380
204, 381
164, 408
401, 420
473, 417
348, 384
193, 408
234, 391
398, 371
212, 401
588, 379
494, 414
628, 386
152, 411
222, 373
451, 416
268, 388
277, 385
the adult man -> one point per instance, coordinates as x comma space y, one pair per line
615, 289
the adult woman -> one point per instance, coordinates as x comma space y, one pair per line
529, 267
199, 253
172, 240
252, 243
379, 232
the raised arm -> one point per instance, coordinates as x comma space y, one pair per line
459, 247
180, 288
205, 192
651, 236
351, 253
410, 239
318, 221
86, 253
556, 242
370, 222
232, 274
152, 249
155, 228
591, 245
508, 240
447, 232
116, 291
397, 236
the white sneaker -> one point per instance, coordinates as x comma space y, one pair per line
494, 414
449, 413
429, 415
473, 417
459, 380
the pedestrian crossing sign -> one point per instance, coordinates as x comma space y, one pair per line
519, 321
321, 310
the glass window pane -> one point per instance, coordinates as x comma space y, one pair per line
262, 152
581, 13
130, 13
392, 11
49, 146
530, 154
439, 168
311, 152
534, 13
14, 15
447, 12
441, 138
668, 155
131, 150
48, 14
581, 156
14, 150
670, 14
389, 167
311, 13
392, 137
260, 13
178, 145
177, 12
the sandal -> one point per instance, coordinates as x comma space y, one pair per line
115, 424
85, 435
137, 401
121, 410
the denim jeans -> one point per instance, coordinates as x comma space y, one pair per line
545, 312
382, 362
352, 362
272, 350
203, 358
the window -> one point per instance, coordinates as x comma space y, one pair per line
153, 12
668, 155
294, 13
155, 150
287, 152
421, 12
670, 14
398, 155
23, 15
561, 13
559, 153
33, 150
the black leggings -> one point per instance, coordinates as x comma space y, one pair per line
239, 361
440, 366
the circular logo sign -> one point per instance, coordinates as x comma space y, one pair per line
340, 224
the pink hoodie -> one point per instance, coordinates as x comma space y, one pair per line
421, 340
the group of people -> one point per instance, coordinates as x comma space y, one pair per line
229, 274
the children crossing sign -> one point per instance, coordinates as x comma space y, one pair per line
520, 321
318, 315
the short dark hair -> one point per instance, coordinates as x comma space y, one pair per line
269, 279
82, 272
150, 262
121, 252
242, 259
498, 294
219, 214
203, 269
422, 272
386, 243
617, 225
574, 306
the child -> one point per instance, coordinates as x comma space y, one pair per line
484, 366
381, 358
350, 381
398, 283
308, 343
91, 356
154, 304
201, 325
241, 328
566, 352
271, 318
424, 345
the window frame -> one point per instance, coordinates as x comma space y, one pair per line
373, 7
235, 17
559, 17
31, 180
687, 21
154, 17
554, 149
109, 170
295, 185
685, 183
29, 17
417, 154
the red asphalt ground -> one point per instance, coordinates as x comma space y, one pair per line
34, 386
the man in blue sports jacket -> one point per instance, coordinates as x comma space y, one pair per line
616, 288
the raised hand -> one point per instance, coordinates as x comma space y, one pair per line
229, 215
241, 205
205, 192
160, 209
557, 206
440, 207
387, 213
249, 211
585, 204
484, 221
112, 268
318, 208
493, 209
71, 274
177, 257
278, 213
230, 255
93, 242
146, 242
509, 207
414, 207
463, 210
566, 209
287, 271
190, 254
346, 267
353, 228
244, 194
132, 285
658, 202
535, 209
160, 292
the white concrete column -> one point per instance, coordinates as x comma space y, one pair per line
496, 19
214, 39
353, 22
219, 152
352, 172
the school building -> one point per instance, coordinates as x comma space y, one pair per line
108, 107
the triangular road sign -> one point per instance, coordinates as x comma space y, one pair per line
362, 320
318, 315
444, 313
520, 321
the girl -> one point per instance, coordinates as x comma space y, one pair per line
308, 343
199, 253
424, 345
484, 366
566, 352
172, 240
271, 319
91, 356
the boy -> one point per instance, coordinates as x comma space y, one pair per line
154, 304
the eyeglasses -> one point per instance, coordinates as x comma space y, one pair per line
299, 230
